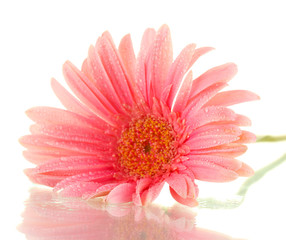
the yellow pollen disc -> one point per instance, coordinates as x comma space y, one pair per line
146, 147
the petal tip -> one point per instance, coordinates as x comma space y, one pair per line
164, 27
22, 140
29, 112
245, 171
232, 67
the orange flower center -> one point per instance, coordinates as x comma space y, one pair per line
146, 147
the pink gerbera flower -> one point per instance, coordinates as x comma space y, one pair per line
137, 123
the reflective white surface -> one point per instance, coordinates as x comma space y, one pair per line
49, 217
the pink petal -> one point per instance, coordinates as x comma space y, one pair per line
183, 184
217, 129
156, 108
166, 111
229, 98
196, 103
141, 65
207, 171
37, 141
227, 150
245, 171
69, 101
85, 69
103, 190
44, 154
162, 58
212, 136
150, 92
178, 183
209, 115
189, 201
246, 137
177, 71
49, 115
85, 147
199, 52
150, 194
93, 98
166, 93
73, 133
64, 165
114, 68
226, 162
78, 189
48, 180
183, 93
241, 120
96, 72
222, 73
128, 57
208, 141
121, 194
39, 157
141, 185
185, 90
81, 147
92, 176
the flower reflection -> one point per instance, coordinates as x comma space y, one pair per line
48, 217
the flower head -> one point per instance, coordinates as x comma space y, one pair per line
137, 123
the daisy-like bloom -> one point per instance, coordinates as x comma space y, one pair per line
137, 123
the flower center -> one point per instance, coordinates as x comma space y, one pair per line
146, 147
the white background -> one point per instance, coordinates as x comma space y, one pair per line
37, 37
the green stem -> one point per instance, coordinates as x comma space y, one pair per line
258, 175
270, 138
